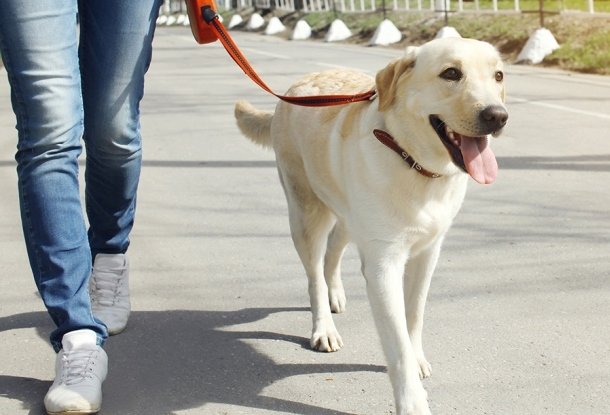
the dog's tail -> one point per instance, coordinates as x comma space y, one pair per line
253, 123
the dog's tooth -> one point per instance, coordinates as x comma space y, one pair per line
457, 139
452, 136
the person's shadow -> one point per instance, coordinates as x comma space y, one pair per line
179, 359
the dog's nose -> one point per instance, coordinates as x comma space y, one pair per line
493, 118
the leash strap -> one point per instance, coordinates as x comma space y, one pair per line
211, 18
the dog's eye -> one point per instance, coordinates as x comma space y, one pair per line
499, 76
451, 74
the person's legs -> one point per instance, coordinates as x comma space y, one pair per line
38, 39
115, 52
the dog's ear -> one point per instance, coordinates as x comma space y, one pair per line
387, 79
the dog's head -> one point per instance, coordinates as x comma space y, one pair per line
444, 100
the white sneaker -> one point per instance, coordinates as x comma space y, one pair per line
80, 369
109, 291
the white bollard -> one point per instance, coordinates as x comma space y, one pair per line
538, 46
301, 31
385, 34
447, 31
337, 31
236, 19
256, 21
274, 26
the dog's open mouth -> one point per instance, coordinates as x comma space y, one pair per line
471, 154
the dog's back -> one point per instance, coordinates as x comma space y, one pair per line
256, 124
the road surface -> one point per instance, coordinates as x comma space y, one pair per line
518, 318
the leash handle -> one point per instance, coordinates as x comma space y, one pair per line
210, 17
200, 29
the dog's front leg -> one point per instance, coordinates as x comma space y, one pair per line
418, 274
337, 242
310, 223
383, 268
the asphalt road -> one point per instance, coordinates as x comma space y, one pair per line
518, 318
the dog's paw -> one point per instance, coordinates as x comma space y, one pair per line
425, 368
414, 404
337, 300
327, 340
419, 411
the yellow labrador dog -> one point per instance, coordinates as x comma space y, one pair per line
390, 175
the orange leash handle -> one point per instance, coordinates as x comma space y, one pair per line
209, 16
201, 30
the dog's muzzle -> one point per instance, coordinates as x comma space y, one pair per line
472, 154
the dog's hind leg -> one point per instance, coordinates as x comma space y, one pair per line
337, 241
418, 274
310, 225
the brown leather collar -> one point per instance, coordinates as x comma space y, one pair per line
389, 141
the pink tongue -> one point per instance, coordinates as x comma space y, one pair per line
479, 160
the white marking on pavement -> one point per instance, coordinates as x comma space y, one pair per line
271, 55
286, 57
329, 65
561, 108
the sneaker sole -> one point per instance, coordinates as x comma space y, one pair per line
113, 332
76, 412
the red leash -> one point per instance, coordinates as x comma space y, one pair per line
209, 16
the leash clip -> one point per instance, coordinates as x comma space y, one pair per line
208, 14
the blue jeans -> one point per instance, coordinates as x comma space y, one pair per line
69, 81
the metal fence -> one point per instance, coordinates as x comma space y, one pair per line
347, 6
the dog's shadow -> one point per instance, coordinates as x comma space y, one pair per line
180, 359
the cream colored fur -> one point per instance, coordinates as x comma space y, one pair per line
342, 185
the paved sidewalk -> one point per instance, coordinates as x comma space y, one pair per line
518, 319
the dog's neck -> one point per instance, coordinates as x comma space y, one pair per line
386, 139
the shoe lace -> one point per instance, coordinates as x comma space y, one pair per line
108, 285
77, 366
